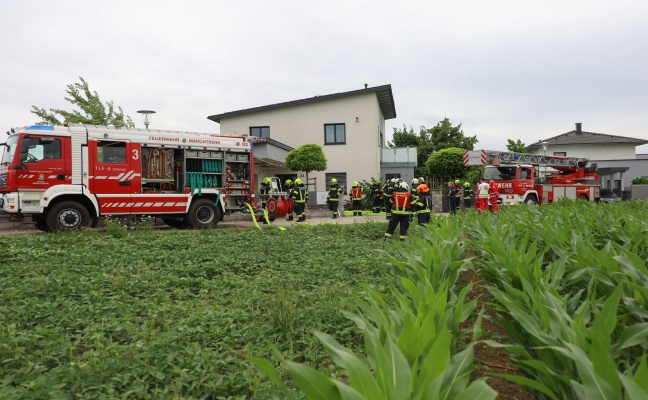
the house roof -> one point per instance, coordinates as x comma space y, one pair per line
579, 137
384, 94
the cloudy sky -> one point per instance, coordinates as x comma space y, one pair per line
503, 69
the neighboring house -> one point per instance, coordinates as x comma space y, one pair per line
615, 156
350, 127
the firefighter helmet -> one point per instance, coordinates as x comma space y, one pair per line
404, 185
333, 181
415, 181
421, 180
422, 188
457, 182
266, 180
298, 181
356, 183
289, 182
467, 184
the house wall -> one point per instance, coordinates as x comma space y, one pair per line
593, 152
637, 169
297, 125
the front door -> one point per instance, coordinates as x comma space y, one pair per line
45, 164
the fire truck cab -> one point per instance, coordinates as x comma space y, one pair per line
66, 177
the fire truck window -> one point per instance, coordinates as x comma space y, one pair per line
111, 152
39, 151
525, 173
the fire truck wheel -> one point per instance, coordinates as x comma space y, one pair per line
583, 197
202, 214
531, 200
67, 216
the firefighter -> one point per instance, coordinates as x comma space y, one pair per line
388, 190
468, 195
291, 204
482, 196
493, 192
299, 196
376, 193
266, 191
356, 198
423, 204
452, 197
333, 199
401, 202
415, 194
458, 197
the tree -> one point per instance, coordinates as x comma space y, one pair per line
306, 158
431, 140
446, 163
93, 111
516, 147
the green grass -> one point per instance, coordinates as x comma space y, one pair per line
171, 314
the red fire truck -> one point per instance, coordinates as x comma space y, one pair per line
520, 179
67, 177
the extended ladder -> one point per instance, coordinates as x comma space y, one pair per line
491, 157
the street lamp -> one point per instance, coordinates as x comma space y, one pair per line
146, 116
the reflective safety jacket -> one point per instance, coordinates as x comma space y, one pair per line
265, 190
334, 193
468, 193
299, 194
388, 188
424, 203
376, 190
401, 202
483, 189
356, 193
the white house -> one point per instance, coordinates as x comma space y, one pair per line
615, 156
350, 127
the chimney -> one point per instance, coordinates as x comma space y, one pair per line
579, 130
366, 85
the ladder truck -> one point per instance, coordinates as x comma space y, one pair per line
520, 180
67, 177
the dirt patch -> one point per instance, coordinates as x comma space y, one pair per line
493, 361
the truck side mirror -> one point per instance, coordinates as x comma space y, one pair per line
23, 157
24, 146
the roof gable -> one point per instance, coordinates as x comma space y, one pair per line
384, 94
579, 137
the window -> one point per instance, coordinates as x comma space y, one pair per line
260, 131
560, 153
341, 180
334, 134
389, 177
41, 150
111, 152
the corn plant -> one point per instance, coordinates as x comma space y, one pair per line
572, 298
411, 338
